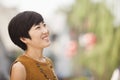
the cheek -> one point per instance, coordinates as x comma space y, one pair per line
35, 35
48, 30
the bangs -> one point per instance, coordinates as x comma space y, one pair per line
35, 19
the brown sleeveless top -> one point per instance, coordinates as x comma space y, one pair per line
37, 70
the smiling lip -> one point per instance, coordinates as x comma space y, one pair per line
45, 38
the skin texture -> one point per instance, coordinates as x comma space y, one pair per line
39, 40
18, 72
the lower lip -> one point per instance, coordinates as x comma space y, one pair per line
46, 39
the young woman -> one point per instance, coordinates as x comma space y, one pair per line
28, 31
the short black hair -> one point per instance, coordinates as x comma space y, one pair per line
20, 25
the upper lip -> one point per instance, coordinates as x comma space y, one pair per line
45, 36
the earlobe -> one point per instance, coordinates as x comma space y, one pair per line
24, 40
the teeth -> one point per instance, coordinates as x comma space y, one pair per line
45, 38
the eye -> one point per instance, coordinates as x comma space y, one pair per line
44, 24
37, 27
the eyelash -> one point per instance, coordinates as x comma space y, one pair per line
44, 24
40, 27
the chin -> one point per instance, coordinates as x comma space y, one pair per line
47, 45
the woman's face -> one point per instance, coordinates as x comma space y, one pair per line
39, 36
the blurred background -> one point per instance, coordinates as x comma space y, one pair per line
85, 36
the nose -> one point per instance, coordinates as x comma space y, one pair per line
45, 30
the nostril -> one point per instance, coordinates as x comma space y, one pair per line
46, 31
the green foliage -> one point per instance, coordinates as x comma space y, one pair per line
86, 16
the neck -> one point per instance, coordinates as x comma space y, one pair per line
35, 54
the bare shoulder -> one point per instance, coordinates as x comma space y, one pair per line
18, 72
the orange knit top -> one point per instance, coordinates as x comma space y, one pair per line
37, 70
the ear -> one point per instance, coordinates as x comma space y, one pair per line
24, 40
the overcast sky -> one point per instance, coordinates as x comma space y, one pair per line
45, 7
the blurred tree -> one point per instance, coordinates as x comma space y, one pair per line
86, 16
